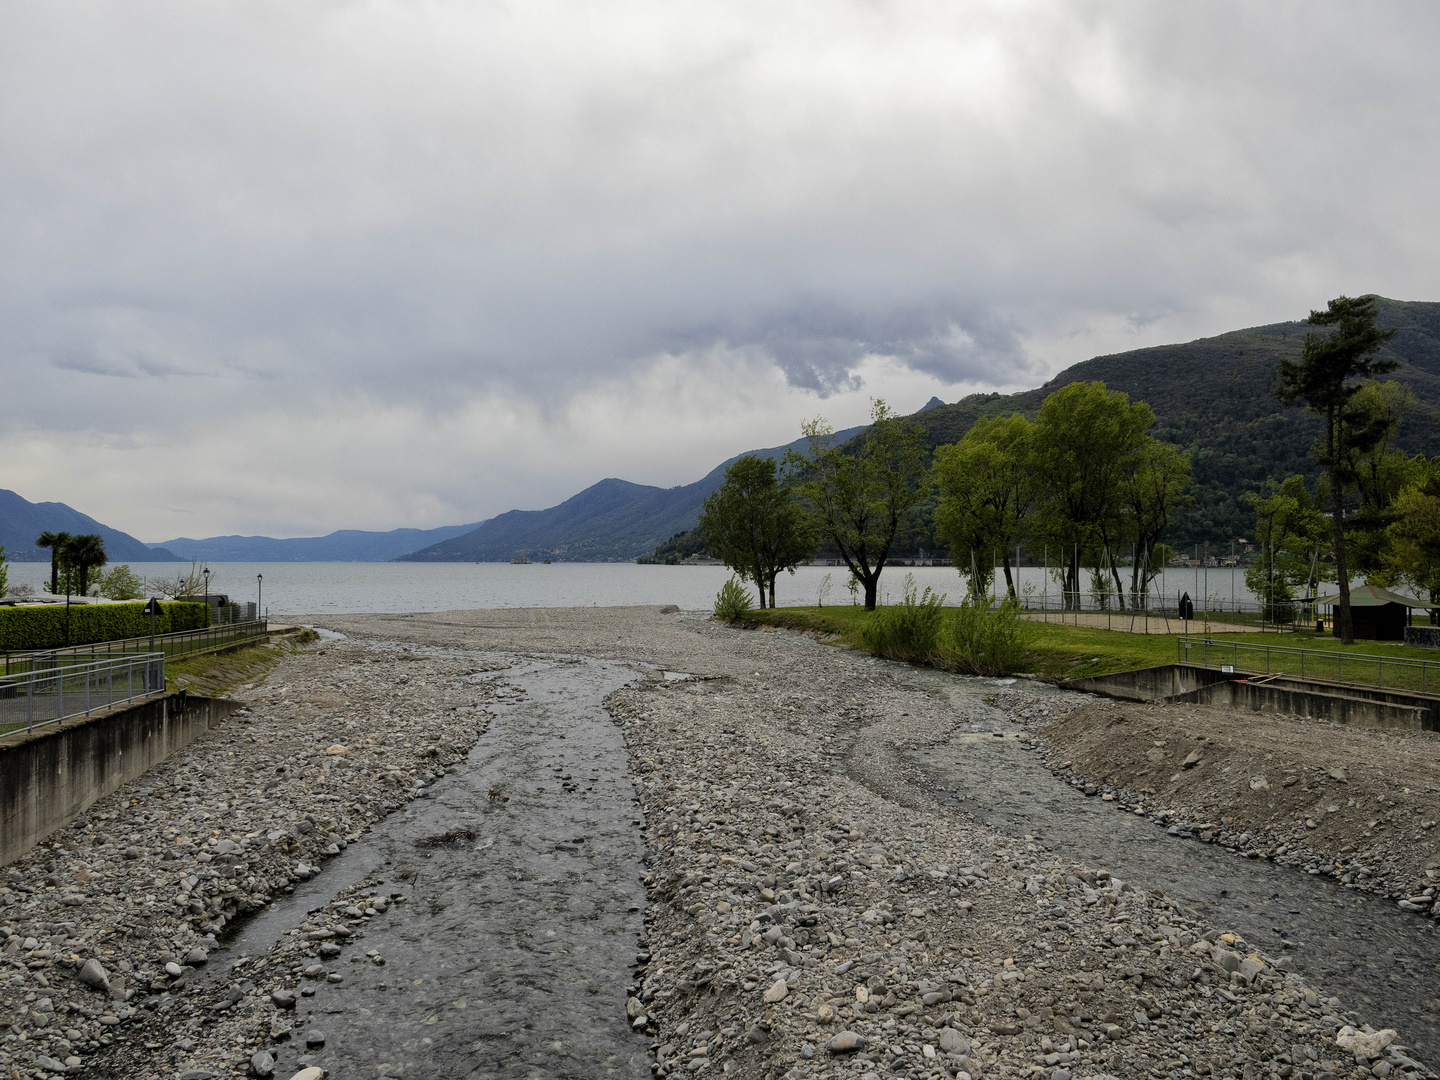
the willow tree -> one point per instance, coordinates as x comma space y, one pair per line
859, 493
1327, 378
1085, 444
987, 489
755, 525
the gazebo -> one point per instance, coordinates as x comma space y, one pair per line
1376, 614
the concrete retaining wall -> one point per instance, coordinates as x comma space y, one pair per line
1342, 708
50, 777
1149, 684
1206, 686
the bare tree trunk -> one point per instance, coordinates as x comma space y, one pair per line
871, 584
1009, 581
1344, 624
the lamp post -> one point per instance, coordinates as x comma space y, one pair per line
206, 572
259, 596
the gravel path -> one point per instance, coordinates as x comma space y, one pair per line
817, 906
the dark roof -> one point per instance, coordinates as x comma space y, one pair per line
1372, 596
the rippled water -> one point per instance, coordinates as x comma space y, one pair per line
512, 956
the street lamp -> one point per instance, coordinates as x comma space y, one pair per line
206, 572
259, 596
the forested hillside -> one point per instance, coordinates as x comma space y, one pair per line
1214, 398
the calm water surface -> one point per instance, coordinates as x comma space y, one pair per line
347, 588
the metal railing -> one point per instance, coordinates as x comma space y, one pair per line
178, 643
48, 696
1163, 613
1326, 665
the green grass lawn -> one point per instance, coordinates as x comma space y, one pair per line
1076, 652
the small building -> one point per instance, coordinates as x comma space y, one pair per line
1376, 614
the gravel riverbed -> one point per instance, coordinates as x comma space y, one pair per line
820, 904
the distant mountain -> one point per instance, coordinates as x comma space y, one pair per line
1215, 398
21, 521
347, 545
611, 521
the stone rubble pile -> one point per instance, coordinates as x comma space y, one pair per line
812, 919
1401, 867
108, 926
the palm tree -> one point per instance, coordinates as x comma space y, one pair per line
86, 553
57, 543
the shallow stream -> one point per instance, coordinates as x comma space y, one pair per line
1383, 963
521, 869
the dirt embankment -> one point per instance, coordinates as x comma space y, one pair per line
1358, 803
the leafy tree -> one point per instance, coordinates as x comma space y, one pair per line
1377, 474
121, 583
986, 493
1155, 484
86, 553
56, 542
1293, 535
754, 524
1326, 378
1412, 554
1086, 438
860, 494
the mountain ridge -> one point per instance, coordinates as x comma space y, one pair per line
22, 521
612, 520
343, 545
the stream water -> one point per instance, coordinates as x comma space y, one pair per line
1383, 963
511, 956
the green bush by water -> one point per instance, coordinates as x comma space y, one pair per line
909, 630
732, 602
985, 641
44, 627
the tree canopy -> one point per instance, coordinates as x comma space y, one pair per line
755, 526
1327, 378
859, 495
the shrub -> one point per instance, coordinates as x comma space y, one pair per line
732, 602
983, 641
44, 627
121, 583
909, 630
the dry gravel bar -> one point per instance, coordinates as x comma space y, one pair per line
817, 909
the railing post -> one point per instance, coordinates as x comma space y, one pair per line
30, 701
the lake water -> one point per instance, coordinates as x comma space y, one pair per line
348, 588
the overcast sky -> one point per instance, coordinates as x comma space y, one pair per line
289, 267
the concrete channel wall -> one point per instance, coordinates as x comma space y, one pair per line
49, 777
1362, 706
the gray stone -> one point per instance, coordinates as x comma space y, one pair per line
94, 975
952, 1042
314, 1039
1227, 960
329, 950
174, 970
283, 999
262, 1065
196, 957
846, 1042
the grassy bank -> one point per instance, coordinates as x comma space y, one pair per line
1056, 651
219, 673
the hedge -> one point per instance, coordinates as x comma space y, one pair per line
44, 627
